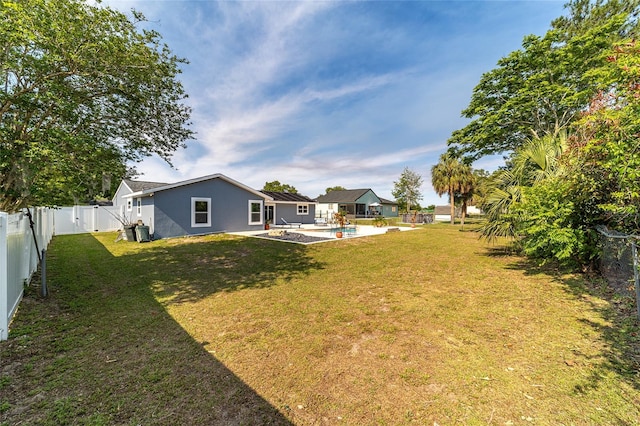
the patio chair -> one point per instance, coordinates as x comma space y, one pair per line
321, 221
291, 224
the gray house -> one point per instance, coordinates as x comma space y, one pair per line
293, 208
128, 186
357, 203
204, 205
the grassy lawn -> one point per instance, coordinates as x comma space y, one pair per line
429, 327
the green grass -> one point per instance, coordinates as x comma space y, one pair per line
428, 326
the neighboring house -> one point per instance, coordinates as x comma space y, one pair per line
473, 210
357, 203
443, 213
204, 205
389, 208
293, 208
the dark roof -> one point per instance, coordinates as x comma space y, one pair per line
139, 185
442, 210
288, 196
346, 196
385, 201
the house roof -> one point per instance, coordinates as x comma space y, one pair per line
385, 201
139, 185
442, 210
164, 187
345, 196
288, 197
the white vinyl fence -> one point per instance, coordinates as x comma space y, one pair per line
19, 256
82, 219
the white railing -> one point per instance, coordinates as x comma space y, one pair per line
19, 257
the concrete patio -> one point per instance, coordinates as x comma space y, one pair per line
325, 232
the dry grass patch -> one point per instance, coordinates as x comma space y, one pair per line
430, 326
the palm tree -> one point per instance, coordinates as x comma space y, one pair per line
450, 176
467, 186
537, 160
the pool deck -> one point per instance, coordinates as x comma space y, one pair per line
325, 231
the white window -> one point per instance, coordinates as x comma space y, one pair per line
129, 204
139, 206
393, 208
303, 208
200, 212
255, 212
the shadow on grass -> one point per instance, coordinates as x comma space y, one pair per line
102, 350
619, 329
193, 268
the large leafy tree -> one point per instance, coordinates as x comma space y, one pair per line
544, 86
335, 188
84, 91
607, 149
276, 186
592, 178
406, 189
451, 176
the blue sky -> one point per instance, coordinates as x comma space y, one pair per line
323, 93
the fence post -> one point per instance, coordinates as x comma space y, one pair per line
4, 279
636, 279
43, 274
94, 218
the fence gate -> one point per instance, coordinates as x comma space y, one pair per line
82, 219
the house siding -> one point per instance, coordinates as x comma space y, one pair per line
148, 212
326, 209
368, 198
389, 210
289, 212
172, 209
122, 190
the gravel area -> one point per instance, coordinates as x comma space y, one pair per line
294, 237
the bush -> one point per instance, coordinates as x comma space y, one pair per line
548, 227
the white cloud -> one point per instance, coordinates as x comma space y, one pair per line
318, 94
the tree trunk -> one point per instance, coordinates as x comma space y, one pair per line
453, 207
463, 212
